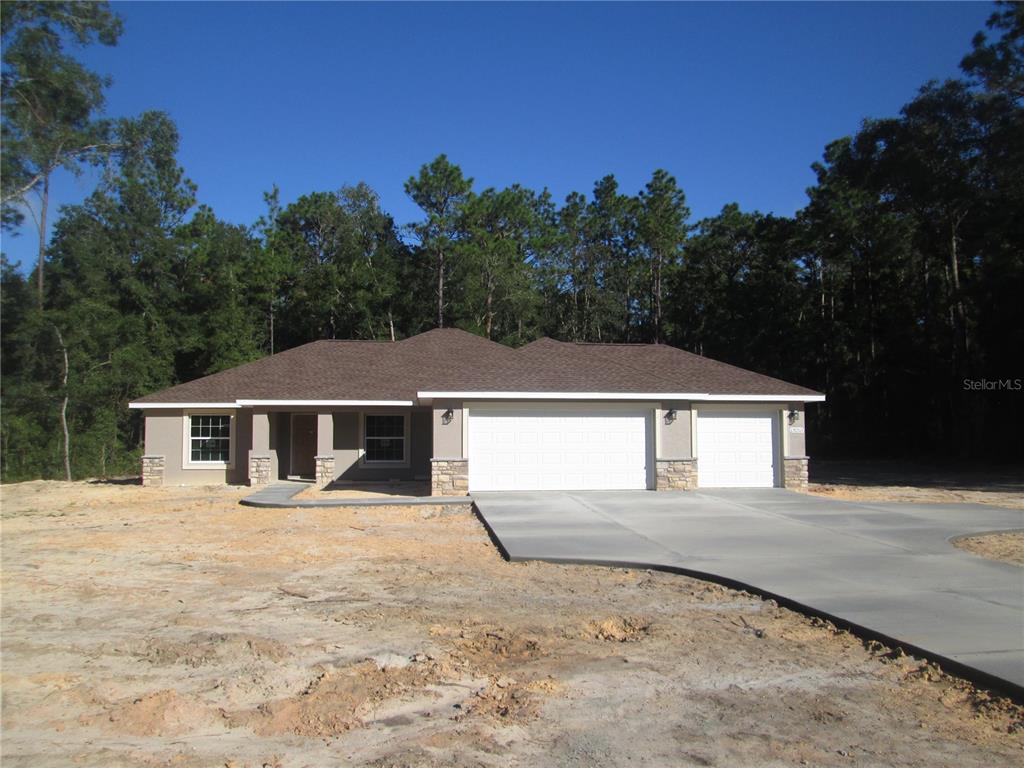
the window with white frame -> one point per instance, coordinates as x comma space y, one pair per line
209, 438
384, 438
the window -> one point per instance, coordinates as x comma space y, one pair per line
384, 438
210, 438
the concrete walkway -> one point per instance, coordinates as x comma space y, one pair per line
886, 570
281, 496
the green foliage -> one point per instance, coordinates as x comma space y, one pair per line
999, 66
339, 265
50, 102
900, 278
502, 235
663, 230
441, 191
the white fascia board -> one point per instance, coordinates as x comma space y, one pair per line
312, 403
762, 398
698, 396
557, 395
183, 405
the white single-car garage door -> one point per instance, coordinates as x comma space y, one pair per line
736, 449
547, 449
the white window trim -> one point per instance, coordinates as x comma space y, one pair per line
363, 461
186, 440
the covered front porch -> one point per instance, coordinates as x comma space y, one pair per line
340, 445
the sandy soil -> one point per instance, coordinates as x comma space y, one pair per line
1006, 547
918, 494
366, 491
172, 627
916, 482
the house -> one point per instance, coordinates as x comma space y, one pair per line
469, 415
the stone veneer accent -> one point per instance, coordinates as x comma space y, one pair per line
259, 469
152, 470
324, 470
794, 473
449, 477
675, 474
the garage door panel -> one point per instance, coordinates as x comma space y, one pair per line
558, 450
736, 449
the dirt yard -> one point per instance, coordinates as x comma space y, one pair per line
917, 483
364, 491
173, 627
916, 495
1005, 547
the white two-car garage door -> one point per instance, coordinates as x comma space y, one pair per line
547, 449
736, 449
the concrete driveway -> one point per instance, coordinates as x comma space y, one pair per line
886, 568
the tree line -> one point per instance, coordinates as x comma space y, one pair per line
895, 286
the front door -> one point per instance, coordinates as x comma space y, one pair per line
303, 444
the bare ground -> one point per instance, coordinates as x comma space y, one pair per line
379, 490
916, 495
1006, 547
918, 483
172, 627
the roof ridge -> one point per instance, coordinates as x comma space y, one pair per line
615, 343
624, 366
724, 364
706, 360
350, 341
451, 329
540, 339
634, 369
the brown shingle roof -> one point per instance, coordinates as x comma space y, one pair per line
454, 360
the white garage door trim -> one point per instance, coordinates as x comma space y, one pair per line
738, 448
560, 446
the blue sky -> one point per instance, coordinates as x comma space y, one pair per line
735, 100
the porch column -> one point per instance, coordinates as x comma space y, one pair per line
449, 467
794, 448
675, 468
261, 460
324, 449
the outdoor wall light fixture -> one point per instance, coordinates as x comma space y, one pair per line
670, 415
446, 417
793, 415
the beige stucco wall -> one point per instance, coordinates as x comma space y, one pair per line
262, 441
795, 442
428, 438
347, 436
447, 437
165, 430
165, 436
346, 443
324, 434
674, 439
